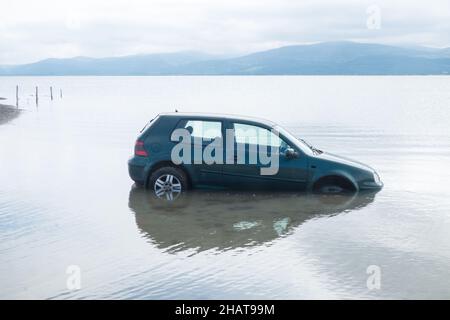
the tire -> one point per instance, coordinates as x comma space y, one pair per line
139, 184
332, 189
168, 183
334, 185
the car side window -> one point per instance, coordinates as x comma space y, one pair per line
250, 134
207, 130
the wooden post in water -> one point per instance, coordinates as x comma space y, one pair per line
37, 96
51, 92
17, 96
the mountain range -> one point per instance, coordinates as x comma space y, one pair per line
327, 58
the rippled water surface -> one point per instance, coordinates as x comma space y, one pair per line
66, 199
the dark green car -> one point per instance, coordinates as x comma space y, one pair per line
178, 151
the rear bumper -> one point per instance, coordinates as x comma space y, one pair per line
136, 169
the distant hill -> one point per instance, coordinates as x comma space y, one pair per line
146, 64
328, 58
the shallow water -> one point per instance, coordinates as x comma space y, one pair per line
66, 199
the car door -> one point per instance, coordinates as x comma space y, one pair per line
202, 133
257, 147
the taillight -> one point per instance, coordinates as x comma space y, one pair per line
139, 149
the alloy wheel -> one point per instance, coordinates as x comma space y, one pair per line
167, 187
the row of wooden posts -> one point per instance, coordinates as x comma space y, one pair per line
37, 95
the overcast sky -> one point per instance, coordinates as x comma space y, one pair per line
34, 30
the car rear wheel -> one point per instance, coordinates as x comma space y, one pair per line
168, 183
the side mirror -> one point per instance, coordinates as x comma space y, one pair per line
291, 153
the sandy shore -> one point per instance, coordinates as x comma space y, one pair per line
7, 113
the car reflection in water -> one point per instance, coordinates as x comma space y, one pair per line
202, 220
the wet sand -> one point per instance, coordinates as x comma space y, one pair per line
7, 113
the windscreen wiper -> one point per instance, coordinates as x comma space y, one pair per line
314, 150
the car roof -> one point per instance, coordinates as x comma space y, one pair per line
218, 116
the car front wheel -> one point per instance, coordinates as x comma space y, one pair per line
333, 185
332, 189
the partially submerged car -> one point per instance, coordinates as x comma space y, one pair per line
178, 151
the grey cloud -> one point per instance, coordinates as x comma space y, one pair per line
221, 27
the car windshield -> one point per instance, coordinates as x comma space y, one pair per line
302, 144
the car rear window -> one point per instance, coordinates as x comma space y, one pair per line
207, 130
